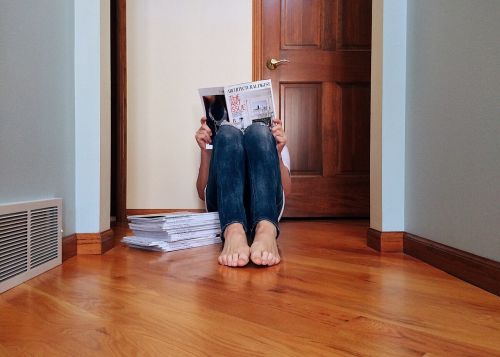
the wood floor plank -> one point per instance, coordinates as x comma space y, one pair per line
385, 339
331, 296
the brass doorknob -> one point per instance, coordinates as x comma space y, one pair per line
273, 63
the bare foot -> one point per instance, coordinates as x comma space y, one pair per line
264, 250
236, 250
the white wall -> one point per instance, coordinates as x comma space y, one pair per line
92, 115
388, 88
173, 48
453, 124
37, 152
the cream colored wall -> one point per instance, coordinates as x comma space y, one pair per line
173, 48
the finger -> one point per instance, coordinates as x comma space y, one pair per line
202, 138
198, 135
278, 135
203, 120
206, 128
280, 143
202, 131
201, 144
277, 121
206, 138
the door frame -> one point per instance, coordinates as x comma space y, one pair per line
257, 53
118, 44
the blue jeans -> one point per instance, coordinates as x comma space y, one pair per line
244, 181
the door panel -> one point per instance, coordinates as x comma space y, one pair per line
355, 24
302, 106
354, 127
300, 24
323, 96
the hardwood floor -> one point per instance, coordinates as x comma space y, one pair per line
331, 296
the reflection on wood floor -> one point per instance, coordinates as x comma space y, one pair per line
331, 295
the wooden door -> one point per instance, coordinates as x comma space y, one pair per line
323, 96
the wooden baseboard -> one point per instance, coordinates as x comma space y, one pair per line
481, 272
134, 211
94, 243
385, 242
68, 247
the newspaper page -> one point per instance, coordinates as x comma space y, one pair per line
249, 103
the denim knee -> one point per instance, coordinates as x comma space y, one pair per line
229, 135
259, 135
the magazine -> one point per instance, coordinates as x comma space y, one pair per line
173, 231
239, 105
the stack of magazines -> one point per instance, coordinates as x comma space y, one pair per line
175, 231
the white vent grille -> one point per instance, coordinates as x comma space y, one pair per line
13, 244
30, 240
44, 235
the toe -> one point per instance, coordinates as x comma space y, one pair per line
242, 259
256, 256
229, 260
219, 259
270, 259
275, 257
265, 256
234, 260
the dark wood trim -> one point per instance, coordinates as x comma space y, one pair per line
119, 108
257, 43
68, 247
131, 212
481, 272
107, 240
385, 242
94, 243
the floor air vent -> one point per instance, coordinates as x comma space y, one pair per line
30, 240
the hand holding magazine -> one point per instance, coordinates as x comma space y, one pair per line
239, 105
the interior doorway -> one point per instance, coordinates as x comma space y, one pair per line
322, 94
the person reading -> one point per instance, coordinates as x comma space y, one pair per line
245, 177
